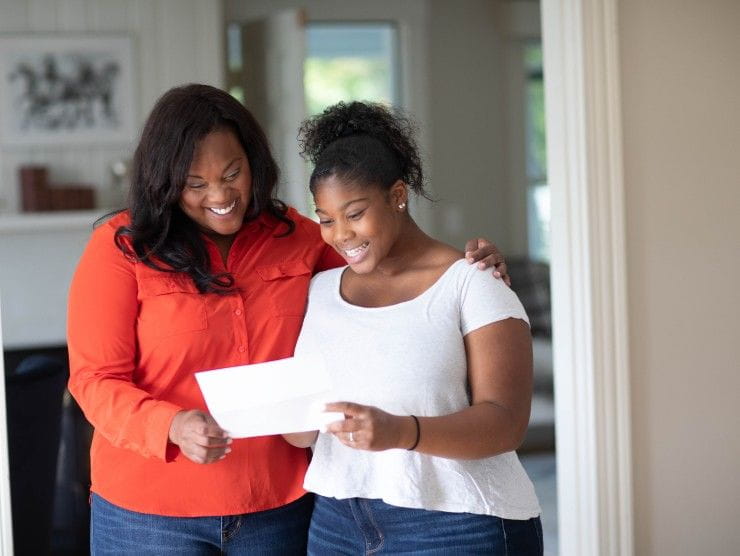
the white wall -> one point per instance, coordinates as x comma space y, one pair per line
681, 120
175, 41
477, 116
466, 95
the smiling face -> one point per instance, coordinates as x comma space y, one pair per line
362, 223
218, 188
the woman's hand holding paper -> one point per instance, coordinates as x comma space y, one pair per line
369, 428
199, 436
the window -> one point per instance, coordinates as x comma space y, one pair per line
350, 61
234, 62
538, 192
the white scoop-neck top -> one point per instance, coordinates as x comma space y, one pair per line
409, 358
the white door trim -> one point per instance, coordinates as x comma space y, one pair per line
589, 302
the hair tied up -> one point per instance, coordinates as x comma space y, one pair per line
377, 146
347, 119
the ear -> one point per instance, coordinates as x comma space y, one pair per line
399, 195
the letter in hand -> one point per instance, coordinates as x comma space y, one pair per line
487, 255
199, 437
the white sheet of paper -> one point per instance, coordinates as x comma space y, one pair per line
282, 396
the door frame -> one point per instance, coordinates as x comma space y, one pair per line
589, 281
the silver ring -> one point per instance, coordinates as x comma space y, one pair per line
351, 436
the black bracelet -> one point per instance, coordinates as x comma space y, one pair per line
418, 434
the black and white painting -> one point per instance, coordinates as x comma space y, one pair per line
65, 89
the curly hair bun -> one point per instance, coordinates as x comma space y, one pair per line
391, 130
340, 120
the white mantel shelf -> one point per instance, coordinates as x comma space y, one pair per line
38, 255
44, 222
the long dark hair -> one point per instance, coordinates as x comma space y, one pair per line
160, 235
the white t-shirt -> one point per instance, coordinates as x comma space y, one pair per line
409, 358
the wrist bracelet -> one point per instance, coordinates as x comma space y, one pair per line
418, 434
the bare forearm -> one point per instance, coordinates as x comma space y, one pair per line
301, 439
480, 431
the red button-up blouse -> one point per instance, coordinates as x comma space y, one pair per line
137, 335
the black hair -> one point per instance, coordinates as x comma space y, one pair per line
160, 234
364, 143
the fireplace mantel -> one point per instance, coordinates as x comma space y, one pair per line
44, 222
38, 255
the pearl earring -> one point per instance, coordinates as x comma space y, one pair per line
402, 206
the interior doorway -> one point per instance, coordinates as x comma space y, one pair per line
526, 163
518, 182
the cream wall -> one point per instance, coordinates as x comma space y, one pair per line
681, 119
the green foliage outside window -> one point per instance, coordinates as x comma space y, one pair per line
538, 192
536, 151
328, 81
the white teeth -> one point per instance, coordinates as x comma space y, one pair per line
222, 211
351, 253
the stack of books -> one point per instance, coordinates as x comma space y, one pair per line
38, 195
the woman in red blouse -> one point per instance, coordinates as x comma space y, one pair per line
206, 269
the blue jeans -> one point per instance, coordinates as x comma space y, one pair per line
363, 526
281, 531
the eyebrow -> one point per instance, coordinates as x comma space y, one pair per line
225, 168
345, 205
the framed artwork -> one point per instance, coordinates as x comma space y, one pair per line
65, 89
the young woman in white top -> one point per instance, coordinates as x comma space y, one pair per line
431, 362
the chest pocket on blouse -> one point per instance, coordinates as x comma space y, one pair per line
170, 306
287, 286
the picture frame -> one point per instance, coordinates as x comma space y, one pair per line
66, 89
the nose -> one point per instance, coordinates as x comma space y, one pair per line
342, 232
219, 193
